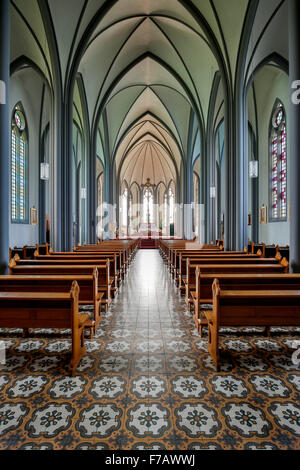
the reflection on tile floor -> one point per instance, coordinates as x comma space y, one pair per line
147, 381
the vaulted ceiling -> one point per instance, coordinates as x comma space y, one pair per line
147, 66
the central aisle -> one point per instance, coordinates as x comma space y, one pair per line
148, 296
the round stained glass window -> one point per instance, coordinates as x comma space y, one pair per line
20, 120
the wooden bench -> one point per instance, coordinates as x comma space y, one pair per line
104, 281
222, 258
115, 261
182, 255
250, 308
169, 247
75, 261
230, 268
173, 252
122, 253
16, 251
37, 310
204, 281
88, 286
129, 246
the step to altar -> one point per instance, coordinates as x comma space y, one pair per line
148, 244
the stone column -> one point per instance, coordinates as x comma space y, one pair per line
293, 132
4, 132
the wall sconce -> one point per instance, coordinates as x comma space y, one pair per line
83, 193
253, 169
213, 192
45, 171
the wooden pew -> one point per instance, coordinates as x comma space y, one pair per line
88, 285
284, 251
37, 310
271, 251
29, 252
16, 251
236, 256
195, 248
115, 260
130, 247
123, 253
167, 248
249, 308
74, 260
104, 282
178, 254
204, 281
43, 249
229, 267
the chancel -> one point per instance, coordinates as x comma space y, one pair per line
150, 226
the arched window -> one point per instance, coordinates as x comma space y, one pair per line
19, 167
148, 217
171, 206
125, 208
278, 164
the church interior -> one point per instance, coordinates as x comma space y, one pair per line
150, 225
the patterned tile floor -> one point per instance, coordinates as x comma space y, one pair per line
147, 381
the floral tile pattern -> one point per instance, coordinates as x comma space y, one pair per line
147, 381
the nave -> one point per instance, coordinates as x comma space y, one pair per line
147, 380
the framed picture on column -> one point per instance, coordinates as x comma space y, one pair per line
263, 219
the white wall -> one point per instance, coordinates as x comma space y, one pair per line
26, 87
271, 84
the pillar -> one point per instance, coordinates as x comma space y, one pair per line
188, 201
294, 134
4, 132
236, 174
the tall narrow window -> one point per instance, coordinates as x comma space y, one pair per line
278, 164
171, 206
19, 167
148, 207
125, 208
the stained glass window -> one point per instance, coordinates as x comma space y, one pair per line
19, 167
278, 164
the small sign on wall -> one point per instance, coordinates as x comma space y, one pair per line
33, 216
263, 218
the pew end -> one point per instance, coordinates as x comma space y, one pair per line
284, 262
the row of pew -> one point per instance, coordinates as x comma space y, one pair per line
233, 289
27, 252
269, 251
47, 291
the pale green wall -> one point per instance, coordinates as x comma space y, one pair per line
270, 84
26, 88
